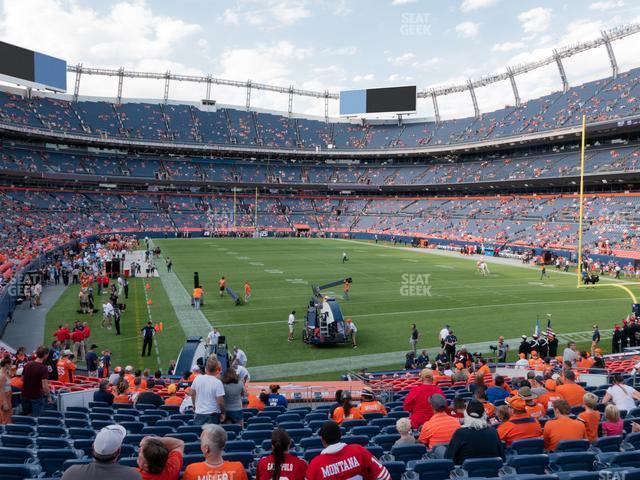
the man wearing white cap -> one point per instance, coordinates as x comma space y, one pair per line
106, 450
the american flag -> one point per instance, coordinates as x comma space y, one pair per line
549, 329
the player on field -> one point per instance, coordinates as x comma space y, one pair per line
247, 292
339, 461
543, 271
344, 257
221, 284
346, 285
484, 269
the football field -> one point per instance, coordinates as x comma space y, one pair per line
392, 288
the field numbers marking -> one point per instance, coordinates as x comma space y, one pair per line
297, 281
448, 267
274, 270
256, 264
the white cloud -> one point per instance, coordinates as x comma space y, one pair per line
508, 46
127, 34
402, 2
402, 59
606, 5
471, 5
468, 29
399, 78
344, 51
363, 78
266, 13
536, 20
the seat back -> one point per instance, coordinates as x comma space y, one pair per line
356, 439
386, 440
52, 460
482, 467
529, 464
406, 453
396, 469
243, 445
572, 446
368, 430
246, 458
15, 455
625, 459
433, 469
609, 444
572, 461
528, 446
18, 472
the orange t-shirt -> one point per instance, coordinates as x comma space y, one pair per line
339, 417
536, 411
221, 283
197, 293
585, 363
563, 428
490, 408
204, 471
372, 407
247, 289
173, 401
483, 370
438, 429
65, 370
572, 393
122, 399
518, 427
254, 402
548, 398
591, 421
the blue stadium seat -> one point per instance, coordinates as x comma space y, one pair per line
133, 427
631, 441
315, 416
396, 469
272, 414
150, 420
120, 406
169, 423
386, 441
529, 464
15, 455
77, 433
84, 444
197, 429
625, 460
18, 472
77, 461
288, 417
572, 446
246, 458
76, 415
186, 437
50, 443
368, 416
127, 410
311, 443
48, 431
583, 476
432, 469
119, 418
315, 425
311, 453
258, 426
192, 447
240, 446
229, 427
573, 461
84, 410
156, 412
53, 421
22, 429
482, 467
528, 446
52, 460
133, 438
100, 424
290, 425
383, 422
397, 415
368, 430
16, 441
301, 411
101, 411
130, 461
375, 450
77, 423
171, 409
273, 408
257, 436
184, 417
406, 453
298, 434
94, 405
356, 439
349, 424
158, 431
608, 444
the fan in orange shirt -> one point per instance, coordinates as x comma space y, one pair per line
571, 391
590, 416
65, 367
172, 399
122, 390
369, 404
347, 411
213, 439
562, 427
195, 371
532, 407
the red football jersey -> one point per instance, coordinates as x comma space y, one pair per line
342, 462
293, 468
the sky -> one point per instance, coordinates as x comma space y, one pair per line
323, 45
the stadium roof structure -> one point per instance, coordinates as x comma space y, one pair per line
510, 73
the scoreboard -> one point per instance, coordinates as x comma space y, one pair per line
378, 100
32, 69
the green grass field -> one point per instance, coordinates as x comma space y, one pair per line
281, 271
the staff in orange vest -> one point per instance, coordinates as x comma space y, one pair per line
221, 283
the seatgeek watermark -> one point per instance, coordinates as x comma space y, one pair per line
415, 24
612, 475
415, 285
